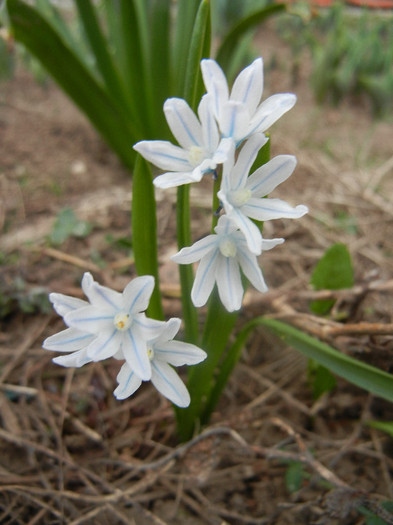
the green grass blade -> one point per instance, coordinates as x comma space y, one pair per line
183, 220
231, 39
135, 62
100, 47
200, 34
185, 18
52, 14
39, 37
160, 64
199, 48
144, 231
372, 379
218, 327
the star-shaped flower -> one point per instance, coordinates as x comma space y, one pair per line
240, 113
163, 352
69, 340
111, 324
221, 256
242, 195
201, 148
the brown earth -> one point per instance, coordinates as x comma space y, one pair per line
71, 453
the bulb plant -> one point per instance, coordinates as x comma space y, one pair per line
219, 134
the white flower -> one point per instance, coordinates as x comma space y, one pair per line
111, 324
221, 256
200, 150
242, 195
163, 352
240, 113
69, 340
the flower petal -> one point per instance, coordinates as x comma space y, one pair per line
100, 296
229, 283
223, 151
234, 121
270, 175
239, 174
195, 252
74, 360
205, 278
183, 123
215, 83
225, 226
249, 264
67, 340
177, 353
128, 381
248, 228
137, 293
135, 353
65, 303
149, 328
248, 86
271, 110
105, 345
169, 384
167, 332
173, 179
268, 209
164, 155
90, 319
268, 244
210, 134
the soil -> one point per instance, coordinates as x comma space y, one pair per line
272, 454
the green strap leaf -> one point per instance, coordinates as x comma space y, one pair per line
100, 46
199, 48
160, 63
200, 34
185, 16
41, 39
361, 374
144, 231
231, 39
218, 327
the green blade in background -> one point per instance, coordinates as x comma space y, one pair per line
40, 38
186, 11
144, 231
357, 372
231, 40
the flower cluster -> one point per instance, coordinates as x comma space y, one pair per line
113, 324
230, 132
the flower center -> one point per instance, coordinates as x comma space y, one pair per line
228, 248
195, 155
122, 321
150, 354
239, 197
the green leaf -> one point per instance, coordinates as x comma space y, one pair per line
385, 426
294, 476
186, 11
322, 380
67, 225
100, 46
32, 30
199, 48
231, 40
144, 231
333, 272
372, 379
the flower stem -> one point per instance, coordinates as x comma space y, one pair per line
186, 273
144, 226
218, 327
